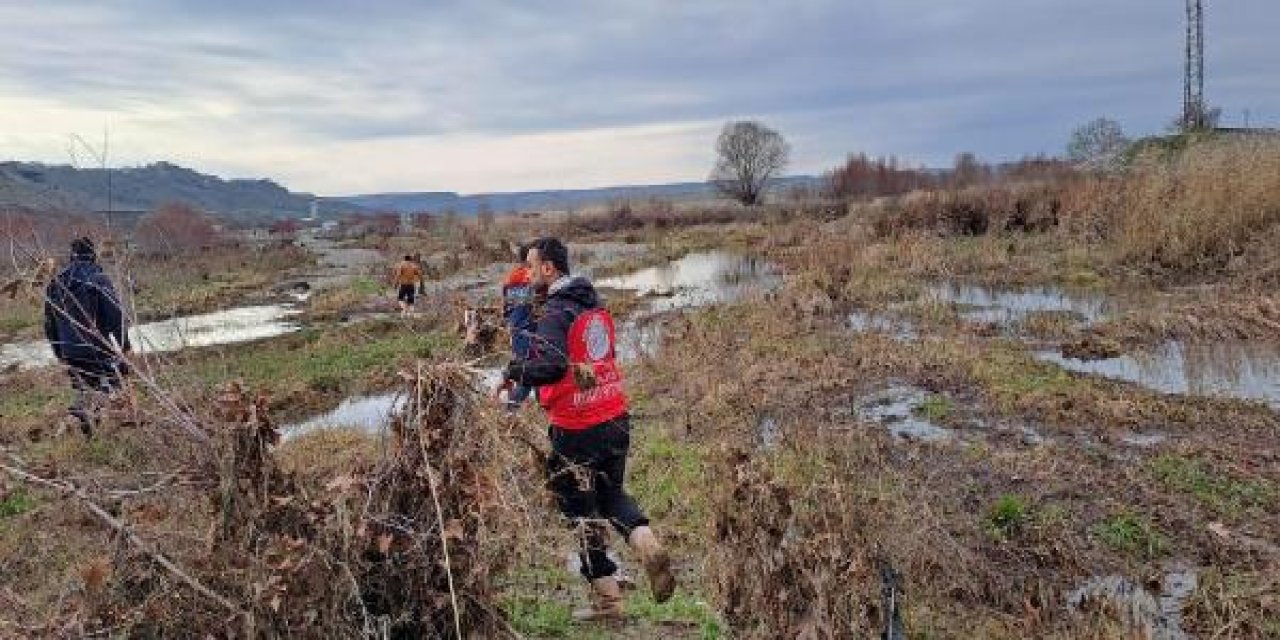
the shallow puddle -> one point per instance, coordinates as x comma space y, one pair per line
1158, 617
897, 408
372, 414
1144, 440
871, 322
769, 433
638, 338
1006, 306
1248, 371
222, 327
696, 280
699, 279
366, 413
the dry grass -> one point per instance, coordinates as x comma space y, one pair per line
401, 540
1201, 209
1212, 207
990, 533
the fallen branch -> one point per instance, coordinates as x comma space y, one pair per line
122, 529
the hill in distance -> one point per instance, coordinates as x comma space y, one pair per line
37, 187
548, 200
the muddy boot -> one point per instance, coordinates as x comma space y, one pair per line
606, 602
657, 563
120, 410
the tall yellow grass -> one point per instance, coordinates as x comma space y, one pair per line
1187, 212
1199, 209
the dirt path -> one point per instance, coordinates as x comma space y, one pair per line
338, 265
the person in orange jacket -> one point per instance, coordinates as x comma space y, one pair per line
407, 276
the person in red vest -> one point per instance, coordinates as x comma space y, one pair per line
573, 364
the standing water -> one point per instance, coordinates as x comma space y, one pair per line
695, 280
699, 279
1245, 370
222, 327
1004, 306
370, 413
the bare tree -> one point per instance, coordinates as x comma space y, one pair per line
485, 217
1097, 145
749, 155
174, 228
968, 170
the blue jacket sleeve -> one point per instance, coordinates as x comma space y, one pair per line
548, 358
110, 315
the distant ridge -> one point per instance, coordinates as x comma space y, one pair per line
38, 187
547, 200
35, 186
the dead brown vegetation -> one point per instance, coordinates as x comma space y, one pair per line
403, 546
1196, 212
990, 533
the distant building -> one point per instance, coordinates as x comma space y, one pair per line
1252, 132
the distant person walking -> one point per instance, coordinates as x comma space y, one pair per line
422, 282
517, 311
573, 363
407, 277
85, 325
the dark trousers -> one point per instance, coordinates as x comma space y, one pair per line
93, 384
587, 469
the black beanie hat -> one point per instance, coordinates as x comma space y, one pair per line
82, 248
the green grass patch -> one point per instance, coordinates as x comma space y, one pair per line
663, 472
540, 618
1007, 517
935, 407
366, 285
16, 503
28, 403
1012, 374
681, 609
1131, 533
18, 317
1224, 494
322, 362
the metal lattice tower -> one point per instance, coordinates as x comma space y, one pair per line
1193, 109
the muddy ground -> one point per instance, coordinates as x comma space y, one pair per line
864, 406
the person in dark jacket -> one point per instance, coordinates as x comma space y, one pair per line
517, 311
573, 363
85, 325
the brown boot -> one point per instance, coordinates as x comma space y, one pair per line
657, 563
606, 602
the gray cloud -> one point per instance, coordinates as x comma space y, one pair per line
921, 78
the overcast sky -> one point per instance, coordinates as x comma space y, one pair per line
344, 97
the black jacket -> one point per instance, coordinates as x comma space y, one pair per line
82, 314
548, 358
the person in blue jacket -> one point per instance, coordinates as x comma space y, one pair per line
85, 325
517, 311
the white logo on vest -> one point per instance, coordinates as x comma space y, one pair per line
597, 338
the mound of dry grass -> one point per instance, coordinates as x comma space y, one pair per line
404, 542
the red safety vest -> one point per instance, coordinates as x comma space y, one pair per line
591, 342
